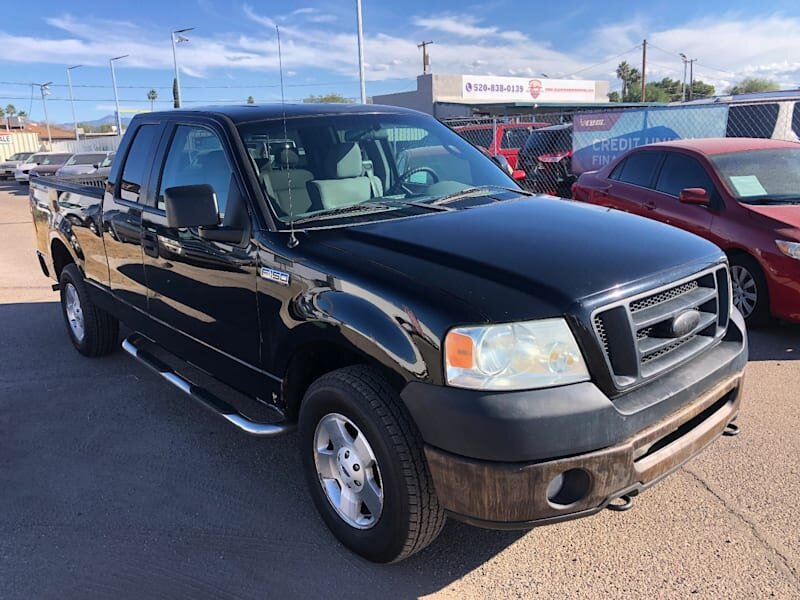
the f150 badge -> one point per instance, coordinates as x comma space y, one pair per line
279, 277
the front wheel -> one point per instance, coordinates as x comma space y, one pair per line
365, 466
750, 294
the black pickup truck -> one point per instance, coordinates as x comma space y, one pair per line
446, 343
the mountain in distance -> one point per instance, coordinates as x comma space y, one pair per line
106, 120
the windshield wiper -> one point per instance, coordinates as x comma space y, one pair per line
475, 191
361, 207
789, 200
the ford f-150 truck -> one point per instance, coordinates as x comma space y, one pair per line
444, 342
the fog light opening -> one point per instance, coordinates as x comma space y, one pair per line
569, 487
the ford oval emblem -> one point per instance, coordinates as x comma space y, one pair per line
684, 323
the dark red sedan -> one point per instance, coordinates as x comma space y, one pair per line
742, 194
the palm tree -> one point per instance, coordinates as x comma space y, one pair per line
2, 113
624, 73
152, 95
11, 110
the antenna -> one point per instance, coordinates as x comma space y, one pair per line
293, 241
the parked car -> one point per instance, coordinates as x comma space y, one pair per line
505, 139
22, 171
742, 194
8, 166
50, 164
546, 159
85, 163
449, 345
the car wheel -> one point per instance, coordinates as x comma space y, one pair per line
750, 293
92, 331
365, 465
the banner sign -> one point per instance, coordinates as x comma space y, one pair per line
525, 89
600, 137
5, 138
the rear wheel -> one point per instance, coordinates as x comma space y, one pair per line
365, 466
750, 293
92, 331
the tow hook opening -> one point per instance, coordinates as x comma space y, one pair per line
621, 504
731, 429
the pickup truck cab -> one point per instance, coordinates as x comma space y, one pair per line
449, 345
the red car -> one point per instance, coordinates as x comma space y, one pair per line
742, 194
505, 139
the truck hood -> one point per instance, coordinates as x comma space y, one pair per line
527, 258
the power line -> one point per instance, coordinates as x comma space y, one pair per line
609, 59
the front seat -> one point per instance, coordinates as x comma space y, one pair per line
290, 178
346, 181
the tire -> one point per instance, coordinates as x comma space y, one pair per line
409, 517
92, 331
750, 292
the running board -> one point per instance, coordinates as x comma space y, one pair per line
203, 396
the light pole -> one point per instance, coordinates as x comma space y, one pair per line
46, 92
360, 27
116, 97
177, 40
72, 100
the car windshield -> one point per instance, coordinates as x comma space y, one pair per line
548, 141
54, 159
107, 161
19, 156
340, 165
86, 159
770, 176
34, 158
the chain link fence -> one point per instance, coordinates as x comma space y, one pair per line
553, 149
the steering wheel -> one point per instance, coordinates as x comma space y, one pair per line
404, 177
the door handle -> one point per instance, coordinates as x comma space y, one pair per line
650, 205
150, 243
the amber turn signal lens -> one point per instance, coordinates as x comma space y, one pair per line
459, 349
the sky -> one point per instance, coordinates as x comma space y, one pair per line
232, 52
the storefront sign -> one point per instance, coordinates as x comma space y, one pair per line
526, 89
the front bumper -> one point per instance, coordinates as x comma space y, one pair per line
22, 175
494, 455
523, 495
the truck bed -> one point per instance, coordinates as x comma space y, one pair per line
84, 185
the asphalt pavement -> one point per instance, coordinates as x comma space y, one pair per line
114, 484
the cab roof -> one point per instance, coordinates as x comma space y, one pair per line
724, 145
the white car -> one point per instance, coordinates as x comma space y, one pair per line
21, 173
7, 167
85, 163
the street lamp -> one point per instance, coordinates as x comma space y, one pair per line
116, 97
177, 38
683, 85
72, 100
45, 89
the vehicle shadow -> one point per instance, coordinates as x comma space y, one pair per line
152, 495
13, 188
777, 341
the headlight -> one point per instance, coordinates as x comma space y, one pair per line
514, 356
790, 249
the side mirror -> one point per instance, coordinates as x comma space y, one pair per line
191, 206
502, 162
697, 196
96, 165
518, 175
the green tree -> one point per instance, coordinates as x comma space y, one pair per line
332, 98
152, 95
614, 97
251, 100
750, 85
22, 115
701, 89
2, 114
11, 110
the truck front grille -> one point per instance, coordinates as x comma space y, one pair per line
638, 335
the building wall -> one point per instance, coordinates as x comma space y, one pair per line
13, 142
421, 99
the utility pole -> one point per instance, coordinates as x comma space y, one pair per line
683, 84
691, 78
72, 100
644, 67
360, 27
45, 89
426, 60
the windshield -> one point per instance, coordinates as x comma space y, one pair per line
548, 141
86, 159
769, 176
108, 160
311, 167
19, 156
34, 158
54, 159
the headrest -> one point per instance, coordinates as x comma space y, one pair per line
344, 160
288, 158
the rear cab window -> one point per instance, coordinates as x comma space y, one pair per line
137, 162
